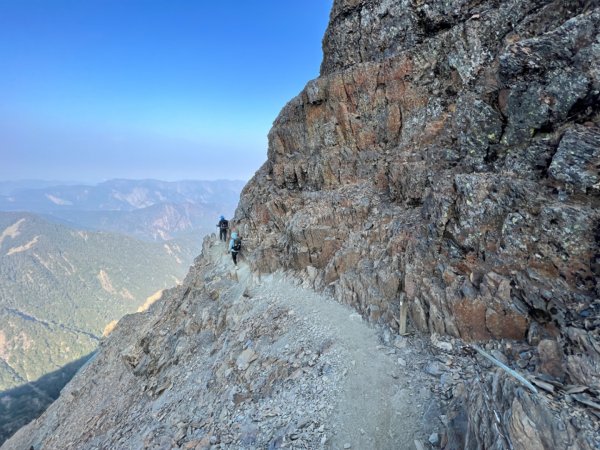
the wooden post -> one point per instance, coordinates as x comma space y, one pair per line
403, 312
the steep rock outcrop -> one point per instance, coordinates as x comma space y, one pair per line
447, 157
465, 167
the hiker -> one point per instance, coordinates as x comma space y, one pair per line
235, 245
223, 227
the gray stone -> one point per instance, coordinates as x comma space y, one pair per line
446, 346
551, 359
245, 358
577, 160
434, 439
400, 342
434, 368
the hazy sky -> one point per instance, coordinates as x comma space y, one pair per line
172, 89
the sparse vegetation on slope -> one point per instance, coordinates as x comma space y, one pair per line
60, 287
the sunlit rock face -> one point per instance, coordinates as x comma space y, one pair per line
448, 157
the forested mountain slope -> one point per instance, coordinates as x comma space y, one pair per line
60, 287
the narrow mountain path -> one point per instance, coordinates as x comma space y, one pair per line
382, 398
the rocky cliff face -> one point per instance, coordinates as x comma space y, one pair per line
457, 147
448, 157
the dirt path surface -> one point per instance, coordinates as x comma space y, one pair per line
381, 395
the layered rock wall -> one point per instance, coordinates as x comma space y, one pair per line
448, 157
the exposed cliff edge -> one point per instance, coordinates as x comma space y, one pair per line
446, 158
232, 361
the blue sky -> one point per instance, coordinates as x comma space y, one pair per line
180, 89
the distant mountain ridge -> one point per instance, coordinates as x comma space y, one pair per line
160, 222
147, 209
117, 195
7, 187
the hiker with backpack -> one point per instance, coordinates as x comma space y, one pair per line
223, 227
235, 245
